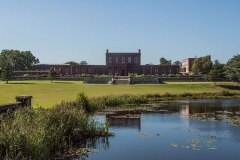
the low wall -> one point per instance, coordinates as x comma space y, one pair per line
182, 79
46, 78
22, 101
11, 106
97, 80
144, 80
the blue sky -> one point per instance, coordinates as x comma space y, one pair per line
57, 31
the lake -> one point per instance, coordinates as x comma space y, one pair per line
167, 131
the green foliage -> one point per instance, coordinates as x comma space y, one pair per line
163, 61
178, 63
7, 73
233, 68
226, 92
202, 65
99, 103
72, 63
82, 101
51, 74
41, 133
23, 60
217, 73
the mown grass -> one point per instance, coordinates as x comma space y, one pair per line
47, 94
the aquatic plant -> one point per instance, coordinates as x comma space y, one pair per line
30, 133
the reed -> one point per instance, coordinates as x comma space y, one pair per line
40, 133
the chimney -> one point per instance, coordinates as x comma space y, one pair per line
107, 51
139, 51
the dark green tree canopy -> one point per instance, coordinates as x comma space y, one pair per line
83, 63
164, 61
233, 68
178, 63
51, 74
217, 73
72, 63
23, 60
202, 65
7, 73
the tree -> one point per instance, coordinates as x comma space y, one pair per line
51, 74
23, 60
7, 73
83, 63
72, 63
233, 68
202, 65
217, 73
163, 61
178, 63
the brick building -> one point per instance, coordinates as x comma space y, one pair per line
187, 65
117, 63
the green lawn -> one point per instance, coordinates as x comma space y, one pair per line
46, 94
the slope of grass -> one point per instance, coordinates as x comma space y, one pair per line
47, 94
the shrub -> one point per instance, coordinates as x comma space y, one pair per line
40, 133
82, 101
225, 92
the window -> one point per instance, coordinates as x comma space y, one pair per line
169, 71
96, 71
103, 71
110, 70
163, 71
66, 70
123, 59
110, 59
116, 59
89, 70
129, 59
129, 70
135, 59
76, 71
83, 71
156, 71
116, 70
136, 70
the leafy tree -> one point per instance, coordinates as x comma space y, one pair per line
72, 63
164, 61
233, 68
178, 63
51, 74
202, 65
83, 63
217, 73
7, 73
23, 60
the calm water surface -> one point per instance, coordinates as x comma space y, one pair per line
167, 135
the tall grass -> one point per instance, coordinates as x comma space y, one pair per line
40, 133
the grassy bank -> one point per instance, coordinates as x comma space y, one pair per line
47, 94
42, 133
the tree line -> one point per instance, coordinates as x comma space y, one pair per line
15, 60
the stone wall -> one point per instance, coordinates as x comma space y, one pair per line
98, 80
144, 80
182, 79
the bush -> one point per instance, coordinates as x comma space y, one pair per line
40, 133
82, 101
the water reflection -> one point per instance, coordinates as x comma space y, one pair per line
125, 119
168, 128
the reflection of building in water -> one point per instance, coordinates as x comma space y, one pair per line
185, 109
125, 119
